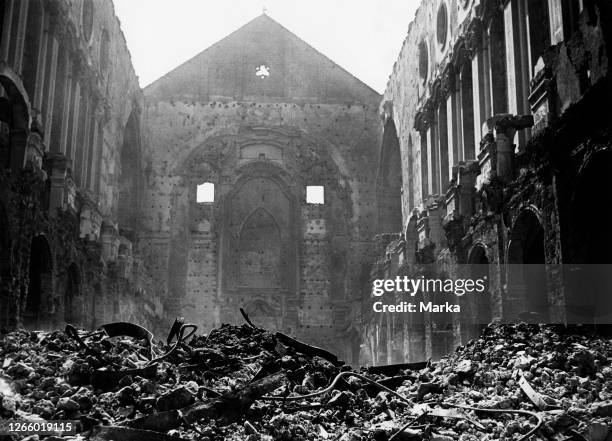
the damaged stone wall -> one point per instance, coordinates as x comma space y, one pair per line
498, 165
261, 116
68, 90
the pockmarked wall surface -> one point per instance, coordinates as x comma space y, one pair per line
495, 151
263, 120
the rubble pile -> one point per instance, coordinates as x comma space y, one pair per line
244, 383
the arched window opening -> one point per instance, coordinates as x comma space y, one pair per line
410, 173
389, 183
539, 31
527, 284
423, 61
467, 111
58, 102
424, 174
31, 46
315, 194
129, 190
442, 125
571, 17
259, 256
442, 25
2, 14
40, 281
499, 74
205, 193
87, 19
104, 51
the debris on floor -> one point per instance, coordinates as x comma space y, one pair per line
516, 382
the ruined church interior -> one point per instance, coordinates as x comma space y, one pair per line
257, 190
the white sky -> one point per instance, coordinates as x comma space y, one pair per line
362, 36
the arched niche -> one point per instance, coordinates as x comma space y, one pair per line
259, 251
129, 175
526, 271
539, 30
499, 73
259, 234
40, 283
389, 182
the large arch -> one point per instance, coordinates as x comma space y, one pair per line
14, 120
527, 296
40, 281
589, 243
389, 182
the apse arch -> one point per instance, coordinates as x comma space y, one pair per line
389, 182
259, 230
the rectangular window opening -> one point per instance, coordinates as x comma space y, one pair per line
205, 193
315, 194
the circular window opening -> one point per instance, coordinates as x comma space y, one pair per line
442, 25
423, 60
87, 18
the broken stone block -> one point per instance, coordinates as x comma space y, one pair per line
175, 399
67, 404
603, 409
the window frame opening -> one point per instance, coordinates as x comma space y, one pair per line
316, 198
205, 193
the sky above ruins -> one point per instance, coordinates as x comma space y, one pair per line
362, 36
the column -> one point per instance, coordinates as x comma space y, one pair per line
555, 12
443, 168
450, 98
68, 109
20, 31
37, 99
497, 66
480, 83
432, 156
49, 92
86, 146
7, 35
516, 57
467, 111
